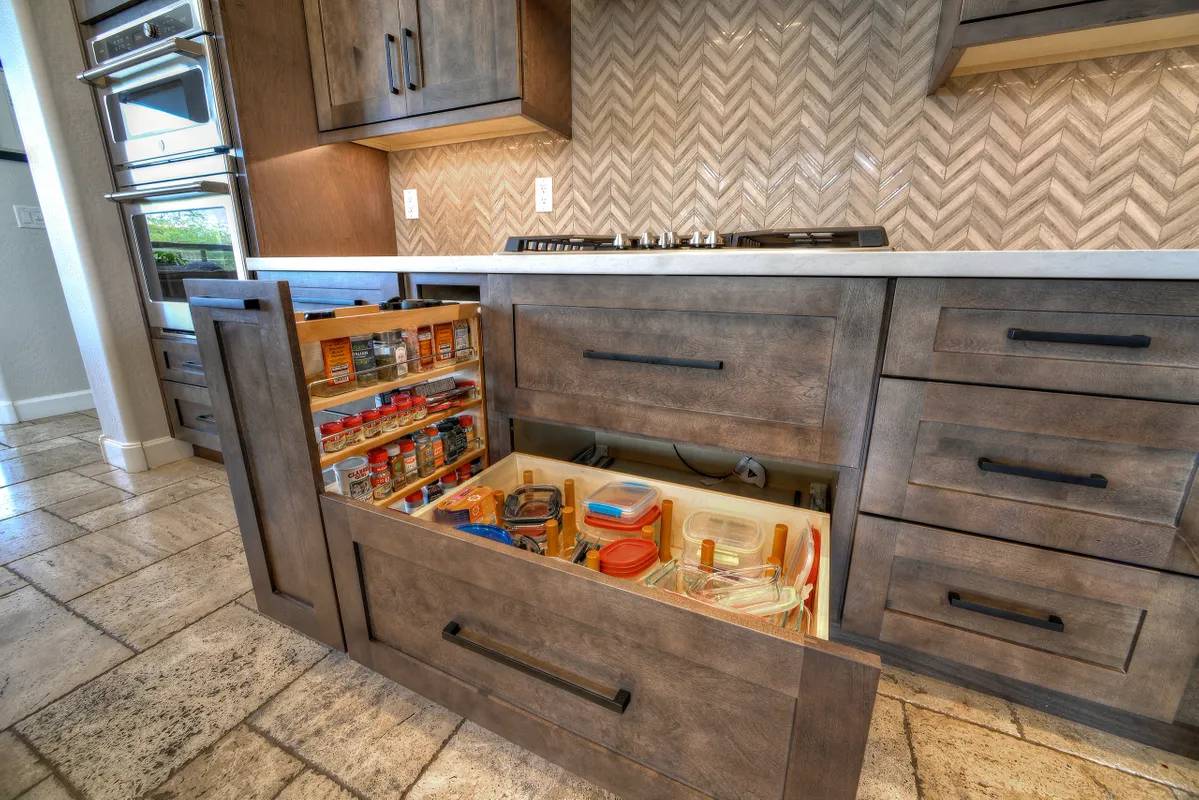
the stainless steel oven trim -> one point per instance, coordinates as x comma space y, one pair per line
101, 76
199, 12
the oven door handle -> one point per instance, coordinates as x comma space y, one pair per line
99, 76
195, 187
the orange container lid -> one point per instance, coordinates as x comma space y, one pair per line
627, 556
615, 524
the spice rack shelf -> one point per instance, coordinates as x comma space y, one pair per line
322, 403
415, 486
363, 448
352, 322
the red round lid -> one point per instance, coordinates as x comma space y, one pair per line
614, 524
627, 556
370, 414
352, 421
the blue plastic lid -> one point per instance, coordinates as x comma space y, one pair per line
492, 532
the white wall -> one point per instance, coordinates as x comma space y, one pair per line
41, 372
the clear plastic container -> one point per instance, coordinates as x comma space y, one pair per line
738, 539
627, 500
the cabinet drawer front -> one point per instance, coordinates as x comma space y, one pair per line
771, 366
191, 413
1103, 631
1126, 338
1101, 476
179, 361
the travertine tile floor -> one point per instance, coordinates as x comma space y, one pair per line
133, 664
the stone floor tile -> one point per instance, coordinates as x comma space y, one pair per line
478, 763
45, 652
168, 529
887, 770
33, 532
241, 766
90, 412
935, 695
248, 600
147, 606
39, 492
19, 766
1105, 748
7, 453
136, 505
95, 468
1179, 794
47, 462
90, 436
142, 482
10, 582
956, 759
215, 505
52, 428
49, 789
87, 503
126, 731
81, 565
373, 735
310, 785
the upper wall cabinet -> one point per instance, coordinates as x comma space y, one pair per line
990, 35
400, 74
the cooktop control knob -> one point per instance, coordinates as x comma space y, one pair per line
668, 240
619, 242
149, 30
646, 240
696, 239
712, 240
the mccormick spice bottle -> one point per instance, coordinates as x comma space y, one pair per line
333, 437
391, 417
438, 446
372, 423
380, 475
413, 501
353, 429
408, 462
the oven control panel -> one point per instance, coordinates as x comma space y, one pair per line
175, 21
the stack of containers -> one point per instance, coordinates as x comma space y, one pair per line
619, 510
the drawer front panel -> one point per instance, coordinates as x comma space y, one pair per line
1105, 477
314, 291
1120, 635
1125, 338
179, 361
771, 366
191, 413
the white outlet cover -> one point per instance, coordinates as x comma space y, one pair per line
29, 217
411, 208
543, 188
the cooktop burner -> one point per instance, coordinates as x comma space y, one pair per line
869, 237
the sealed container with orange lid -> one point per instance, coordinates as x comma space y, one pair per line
623, 500
628, 558
608, 529
738, 539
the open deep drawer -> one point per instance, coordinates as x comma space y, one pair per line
712, 702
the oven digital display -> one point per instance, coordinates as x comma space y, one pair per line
186, 243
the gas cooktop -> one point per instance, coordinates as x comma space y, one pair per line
868, 237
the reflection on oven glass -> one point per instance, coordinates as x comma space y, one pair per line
169, 105
189, 243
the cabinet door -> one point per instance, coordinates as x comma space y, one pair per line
355, 51
458, 53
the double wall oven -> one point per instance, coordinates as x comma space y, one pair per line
158, 89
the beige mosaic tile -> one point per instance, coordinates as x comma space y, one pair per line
39, 492
241, 766
371, 733
10, 582
126, 731
134, 506
935, 695
152, 603
887, 769
957, 759
311, 785
1105, 748
45, 652
32, 532
19, 766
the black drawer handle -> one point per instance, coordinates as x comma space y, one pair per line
210, 418
239, 303
1101, 339
1094, 480
454, 634
1050, 622
662, 361
412, 76
192, 365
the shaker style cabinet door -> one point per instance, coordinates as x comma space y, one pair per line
458, 53
356, 70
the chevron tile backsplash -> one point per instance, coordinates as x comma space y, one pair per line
738, 115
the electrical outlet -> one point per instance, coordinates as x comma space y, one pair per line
411, 208
543, 192
29, 217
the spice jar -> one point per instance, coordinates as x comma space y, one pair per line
468, 430
353, 429
364, 360
432, 492
464, 473
384, 348
420, 408
449, 482
333, 437
407, 461
413, 501
425, 465
380, 474
404, 408
395, 463
438, 446
353, 477
390, 416
372, 423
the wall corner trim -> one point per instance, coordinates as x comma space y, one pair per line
142, 456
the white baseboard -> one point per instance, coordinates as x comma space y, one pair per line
141, 456
50, 405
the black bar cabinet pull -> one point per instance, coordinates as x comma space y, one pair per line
192, 365
1094, 480
454, 634
206, 418
1050, 622
410, 73
240, 303
1101, 339
389, 43
662, 361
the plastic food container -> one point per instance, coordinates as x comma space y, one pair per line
625, 500
738, 539
628, 558
532, 505
492, 532
609, 529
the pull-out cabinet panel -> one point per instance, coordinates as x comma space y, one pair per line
1120, 635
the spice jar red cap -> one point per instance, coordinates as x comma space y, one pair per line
466, 419
406, 445
415, 497
418, 401
430, 431
331, 427
377, 456
352, 421
370, 414
388, 409
403, 402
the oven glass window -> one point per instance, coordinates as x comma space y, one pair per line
186, 243
167, 105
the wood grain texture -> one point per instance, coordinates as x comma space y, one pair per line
927, 439
178, 359
189, 408
261, 404
545, 63
1126, 641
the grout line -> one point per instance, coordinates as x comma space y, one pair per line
433, 758
907, 732
1016, 720
54, 771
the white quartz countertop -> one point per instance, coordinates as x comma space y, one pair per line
1141, 264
